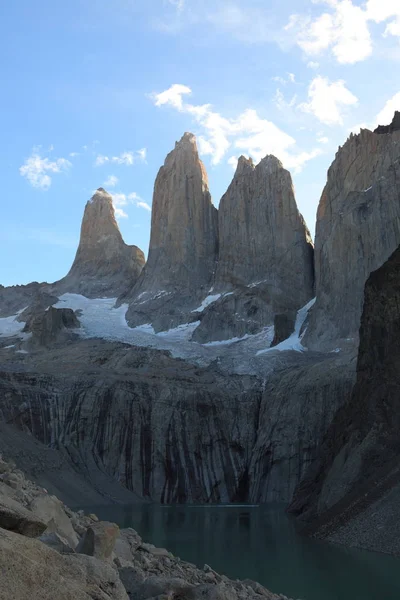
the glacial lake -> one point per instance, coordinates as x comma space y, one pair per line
261, 543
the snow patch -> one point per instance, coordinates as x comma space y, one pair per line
207, 301
294, 341
10, 327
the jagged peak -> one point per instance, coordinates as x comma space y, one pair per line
188, 140
393, 126
270, 162
244, 165
100, 194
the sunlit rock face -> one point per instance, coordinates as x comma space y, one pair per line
358, 227
265, 259
104, 265
183, 243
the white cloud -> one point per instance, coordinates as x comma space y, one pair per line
386, 114
344, 31
248, 132
172, 96
111, 181
313, 65
73, 154
327, 101
37, 169
291, 78
121, 200
322, 140
125, 158
233, 161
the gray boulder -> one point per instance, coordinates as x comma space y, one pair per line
99, 540
50, 509
14, 517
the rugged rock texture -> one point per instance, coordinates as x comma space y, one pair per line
183, 243
51, 325
104, 265
18, 297
297, 407
263, 239
353, 490
265, 253
171, 431
52, 469
358, 227
48, 568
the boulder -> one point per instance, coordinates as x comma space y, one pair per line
14, 517
32, 571
56, 542
99, 540
50, 509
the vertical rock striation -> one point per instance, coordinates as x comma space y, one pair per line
183, 242
358, 227
265, 253
104, 265
263, 238
351, 493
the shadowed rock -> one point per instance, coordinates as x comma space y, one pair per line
358, 227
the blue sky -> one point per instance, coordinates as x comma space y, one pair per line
96, 92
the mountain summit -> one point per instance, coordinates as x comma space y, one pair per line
104, 265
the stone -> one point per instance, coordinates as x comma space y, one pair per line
50, 509
104, 265
155, 551
56, 542
126, 544
99, 540
351, 494
263, 239
53, 324
183, 242
32, 571
357, 230
14, 517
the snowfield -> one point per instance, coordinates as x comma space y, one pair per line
100, 318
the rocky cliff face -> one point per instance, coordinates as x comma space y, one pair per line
262, 236
265, 253
358, 227
171, 431
183, 242
104, 265
351, 494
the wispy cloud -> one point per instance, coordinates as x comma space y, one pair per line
248, 133
121, 201
125, 158
38, 169
111, 181
384, 117
328, 100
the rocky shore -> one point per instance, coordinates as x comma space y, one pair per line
48, 551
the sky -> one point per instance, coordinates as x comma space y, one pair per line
96, 92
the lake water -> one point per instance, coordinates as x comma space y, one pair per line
262, 543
